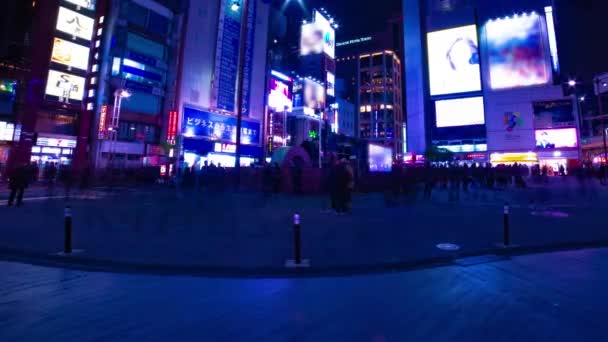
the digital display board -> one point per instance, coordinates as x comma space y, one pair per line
453, 57
7, 130
65, 86
459, 112
379, 158
328, 34
331, 84
554, 114
212, 126
556, 138
88, 4
311, 41
314, 95
70, 54
74, 23
516, 52
279, 95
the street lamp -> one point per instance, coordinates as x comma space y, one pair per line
119, 94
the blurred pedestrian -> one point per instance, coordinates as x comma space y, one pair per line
18, 181
66, 176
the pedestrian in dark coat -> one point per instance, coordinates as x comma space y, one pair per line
18, 181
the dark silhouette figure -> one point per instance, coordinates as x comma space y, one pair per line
19, 180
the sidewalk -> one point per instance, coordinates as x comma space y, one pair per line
247, 234
544, 297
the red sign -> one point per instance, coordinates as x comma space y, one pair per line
172, 127
102, 121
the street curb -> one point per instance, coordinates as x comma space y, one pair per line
109, 266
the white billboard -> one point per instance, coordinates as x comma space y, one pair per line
74, 23
328, 34
70, 54
453, 56
88, 4
460, 112
65, 86
311, 41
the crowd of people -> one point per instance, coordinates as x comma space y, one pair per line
22, 176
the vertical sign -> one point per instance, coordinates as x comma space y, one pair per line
227, 57
172, 128
102, 121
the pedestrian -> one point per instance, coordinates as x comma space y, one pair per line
66, 177
18, 181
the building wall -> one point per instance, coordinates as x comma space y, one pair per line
347, 123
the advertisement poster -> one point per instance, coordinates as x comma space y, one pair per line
314, 95
379, 158
454, 61
459, 112
88, 4
279, 96
516, 52
65, 86
328, 35
70, 54
554, 114
312, 40
331, 84
204, 124
74, 23
556, 138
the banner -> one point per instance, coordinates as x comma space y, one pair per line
207, 125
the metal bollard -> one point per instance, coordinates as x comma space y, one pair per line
297, 239
67, 241
505, 230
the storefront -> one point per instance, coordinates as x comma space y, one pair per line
510, 158
7, 136
554, 160
53, 149
197, 152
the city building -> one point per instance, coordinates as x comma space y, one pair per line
483, 80
346, 121
134, 82
204, 125
380, 100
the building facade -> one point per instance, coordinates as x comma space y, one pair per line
380, 100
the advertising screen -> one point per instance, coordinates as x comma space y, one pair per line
554, 114
65, 86
88, 4
204, 124
454, 61
516, 52
328, 34
7, 130
556, 138
331, 84
279, 96
311, 41
314, 95
459, 112
70, 54
74, 23
379, 158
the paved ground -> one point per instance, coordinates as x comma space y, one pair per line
544, 297
162, 229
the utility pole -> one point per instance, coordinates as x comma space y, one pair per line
239, 86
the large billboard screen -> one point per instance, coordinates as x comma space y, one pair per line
314, 95
556, 138
88, 4
279, 96
459, 112
379, 158
517, 52
75, 24
204, 124
453, 56
554, 114
329, 34
311, 41
65, 86
70, 54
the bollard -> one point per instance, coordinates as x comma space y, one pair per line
505, 231
67, 242
297, 241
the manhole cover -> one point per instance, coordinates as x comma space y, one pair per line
448, 247
551, 213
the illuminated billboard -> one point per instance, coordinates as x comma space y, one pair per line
459, 112
556, 138
311, 41
74, 23
70, 54
328, 34
331, 84
88, 4
314, 95
279, 96
379, 158
453, 57
65, 86
516, 52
